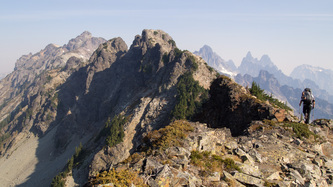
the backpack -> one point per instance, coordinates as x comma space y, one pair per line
307, 96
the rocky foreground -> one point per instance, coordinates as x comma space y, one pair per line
245, 142
96, 112
190, 154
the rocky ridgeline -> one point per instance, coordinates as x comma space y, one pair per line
122, 105
28, 95
191, 154
268, 148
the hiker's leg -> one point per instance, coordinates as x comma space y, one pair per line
304, 112
309, 113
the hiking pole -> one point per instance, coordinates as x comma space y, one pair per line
312, 114
300, 113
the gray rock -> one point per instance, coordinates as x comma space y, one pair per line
230, 179
251, 170
249, 180
296, 175
214, 177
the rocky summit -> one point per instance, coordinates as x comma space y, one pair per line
148, 115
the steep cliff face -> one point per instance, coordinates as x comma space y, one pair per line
232, 106
117, 113
29, 96
139, 83
72, 104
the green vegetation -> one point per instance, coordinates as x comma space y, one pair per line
75, 161
171, 135
190, 96
3, 138
269, 184
172, 42
165, 58
194, 64
147, 68
58, 181
209, 163
178, 53
155, 32
261, 95
113, 130
300, 130
121, 178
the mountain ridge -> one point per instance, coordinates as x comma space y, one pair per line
251, 70
157, 110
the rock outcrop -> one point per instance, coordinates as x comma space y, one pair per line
232, 106
116, 113
268, 156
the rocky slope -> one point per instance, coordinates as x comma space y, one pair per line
269, 149
29, 96
73, 103
152, 115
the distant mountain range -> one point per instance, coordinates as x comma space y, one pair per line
152, 115
273, 80
322, 77
215, 61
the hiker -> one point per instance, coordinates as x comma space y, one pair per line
308, 103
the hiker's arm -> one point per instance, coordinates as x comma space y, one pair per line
314, 103
300, 102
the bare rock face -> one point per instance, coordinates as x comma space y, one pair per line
28, 94
231, 106
144, 87
269, 156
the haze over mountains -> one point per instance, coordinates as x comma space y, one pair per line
274, 81
96, 111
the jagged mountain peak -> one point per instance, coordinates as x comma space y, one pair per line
249, 56
206, 49
215, 61
83, 40
86, 34
149, 38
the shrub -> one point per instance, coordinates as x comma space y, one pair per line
58, 181
113, 130
261, 95
172, 42
171, 135
300, 130
190, 96
121, 178
211, 163
76, 159
178, 53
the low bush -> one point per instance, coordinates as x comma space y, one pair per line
190, 96
261, 95
171, 135
121, 178
209, 163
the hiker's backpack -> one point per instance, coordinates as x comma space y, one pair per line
307, 96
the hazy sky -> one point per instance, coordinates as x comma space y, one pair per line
290, 32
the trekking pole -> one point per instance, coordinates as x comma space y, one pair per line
301, 115
312, 114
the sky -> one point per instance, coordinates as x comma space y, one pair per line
290, 32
